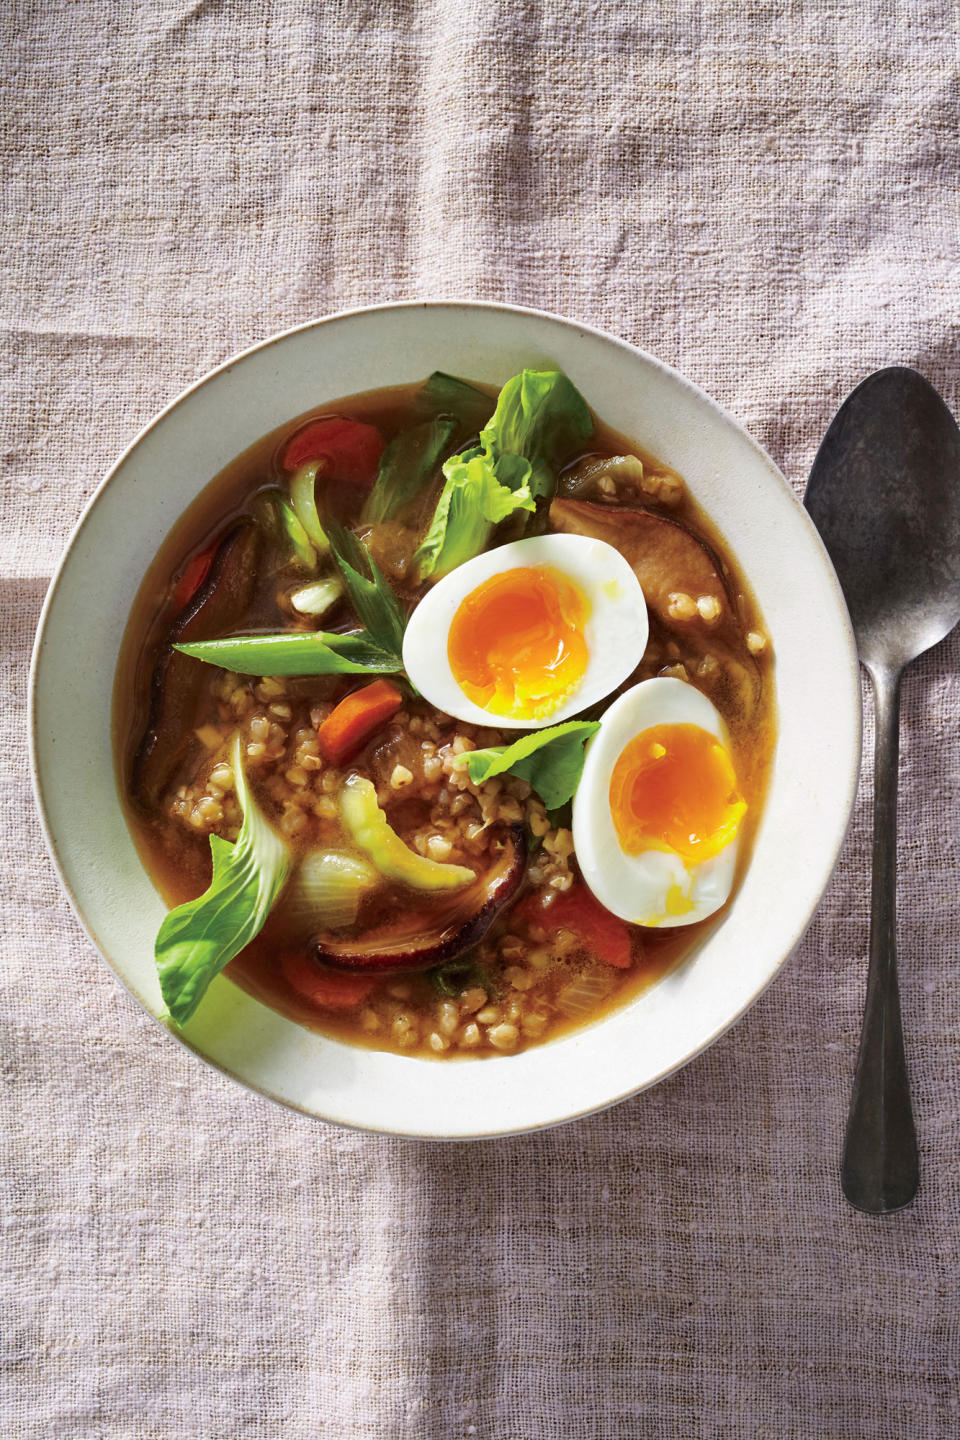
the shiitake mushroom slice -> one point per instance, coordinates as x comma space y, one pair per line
422, 937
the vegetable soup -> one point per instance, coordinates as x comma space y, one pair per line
443, 721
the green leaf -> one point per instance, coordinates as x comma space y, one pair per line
408, 465
477, 495
551, 760
376, 605
196, 940
296, 652
446, 395
541, 416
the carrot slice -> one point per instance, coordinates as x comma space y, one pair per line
350, 725
603, 934
330, 989
350, 450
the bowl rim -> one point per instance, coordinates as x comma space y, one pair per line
832, 585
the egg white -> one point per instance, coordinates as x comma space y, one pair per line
615, 632
635, 886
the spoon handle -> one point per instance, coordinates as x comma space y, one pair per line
880, 1166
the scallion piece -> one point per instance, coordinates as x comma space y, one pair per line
303, 550
303, 494
317, 597
296, 653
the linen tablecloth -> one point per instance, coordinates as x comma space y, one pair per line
764, 195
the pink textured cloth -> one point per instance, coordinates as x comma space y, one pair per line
765, 195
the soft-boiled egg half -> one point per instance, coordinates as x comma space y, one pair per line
658, 809
528, 634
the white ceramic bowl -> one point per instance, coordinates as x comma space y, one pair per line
818, 695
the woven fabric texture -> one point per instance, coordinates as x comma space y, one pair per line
766, 195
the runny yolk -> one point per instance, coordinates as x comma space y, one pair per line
674, 788
516, 644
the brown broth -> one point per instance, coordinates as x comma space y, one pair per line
178, 859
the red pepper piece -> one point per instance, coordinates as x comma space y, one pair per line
603, 934
329, 989
195, 572
349, 449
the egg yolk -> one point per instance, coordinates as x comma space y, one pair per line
516, 644
674, 788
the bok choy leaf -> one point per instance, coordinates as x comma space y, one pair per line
408, 465
550, 760
447, 395
196, 940
473, 502
540, 417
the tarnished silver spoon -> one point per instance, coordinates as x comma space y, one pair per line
884, 492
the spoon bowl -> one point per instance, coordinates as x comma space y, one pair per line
884, 492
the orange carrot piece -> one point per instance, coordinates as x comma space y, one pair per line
328, 989
602, 933
351, 450
360, 715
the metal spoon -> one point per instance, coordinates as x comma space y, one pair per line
884, 492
